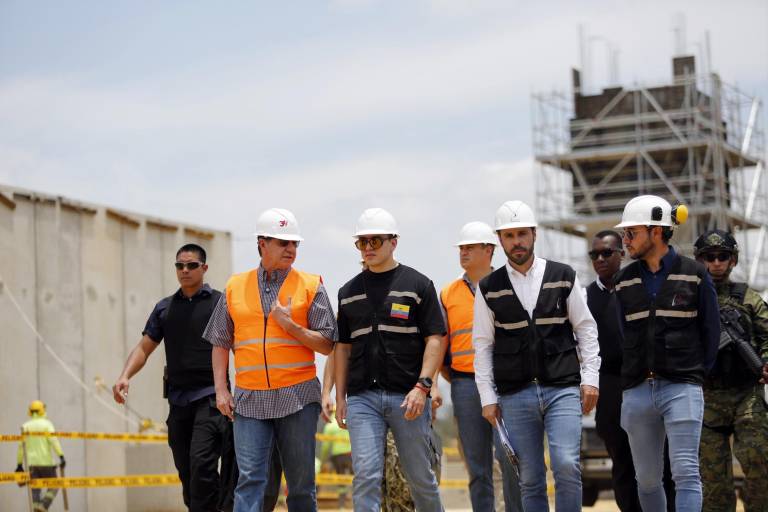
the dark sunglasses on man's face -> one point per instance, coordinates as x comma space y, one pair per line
605, 253
719, 256
374, 242
191, 265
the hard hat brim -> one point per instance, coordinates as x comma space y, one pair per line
470, 242
290, 238
364, 232
631, 223
511, 225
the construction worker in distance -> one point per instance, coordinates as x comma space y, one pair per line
734, 397
391, 343
476, 244
40, 462
671, 329
536, 360
274, 318
606, 255
198, 435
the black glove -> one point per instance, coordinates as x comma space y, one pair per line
19, 469
62, 462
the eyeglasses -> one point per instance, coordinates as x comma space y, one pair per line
605, 253
630, 235
283, 243
719, 256
190, 265
374, 242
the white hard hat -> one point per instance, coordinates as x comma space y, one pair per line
476, 233
278, 223
515, 214
376, 221
646, 211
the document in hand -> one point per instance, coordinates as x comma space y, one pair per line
507, 446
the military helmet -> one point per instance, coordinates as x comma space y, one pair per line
36, 407
716, 240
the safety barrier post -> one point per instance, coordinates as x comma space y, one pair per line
26, 465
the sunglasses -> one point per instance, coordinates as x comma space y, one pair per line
719, 256
630, 235
374, 242
605, 253
192, 265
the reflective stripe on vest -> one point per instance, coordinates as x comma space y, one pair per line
628, 282
266, 356
459, 302
513, 326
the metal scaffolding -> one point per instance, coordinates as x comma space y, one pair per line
697, 141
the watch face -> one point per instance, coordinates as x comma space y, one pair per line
426, 381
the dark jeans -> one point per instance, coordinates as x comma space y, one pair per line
274, 479
199, 435
616, 442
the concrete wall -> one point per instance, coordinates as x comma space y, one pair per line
87, 278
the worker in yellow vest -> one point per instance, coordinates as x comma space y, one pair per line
40, 461
274, 318
476, 244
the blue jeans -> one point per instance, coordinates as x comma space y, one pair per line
295, 438
478, 441
650, 411
528, 414
368, 416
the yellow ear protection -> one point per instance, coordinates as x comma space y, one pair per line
679, 214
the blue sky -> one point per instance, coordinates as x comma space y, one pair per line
211, 112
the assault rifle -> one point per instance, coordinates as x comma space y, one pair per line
733, 333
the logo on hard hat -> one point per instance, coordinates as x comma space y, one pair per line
283, 223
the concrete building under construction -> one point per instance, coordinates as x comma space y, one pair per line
77, 283
696, 141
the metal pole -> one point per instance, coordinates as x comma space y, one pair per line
26, 465
64, 491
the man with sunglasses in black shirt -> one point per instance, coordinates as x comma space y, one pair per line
198, 433
391, 344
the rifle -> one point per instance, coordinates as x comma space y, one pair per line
733, 333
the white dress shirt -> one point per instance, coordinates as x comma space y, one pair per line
527, 288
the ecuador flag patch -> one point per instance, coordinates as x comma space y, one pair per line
400, 311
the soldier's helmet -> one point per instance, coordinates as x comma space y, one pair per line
716, 240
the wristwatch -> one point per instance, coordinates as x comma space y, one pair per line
426, 382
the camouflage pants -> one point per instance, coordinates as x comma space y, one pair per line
395, 493
743, 414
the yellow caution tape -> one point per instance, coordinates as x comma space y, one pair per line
106, 481
450, 451
10, 478
106, 436
336, 479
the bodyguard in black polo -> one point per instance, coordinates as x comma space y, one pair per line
391, 344
198, 433
671, 330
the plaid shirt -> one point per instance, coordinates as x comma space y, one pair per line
279, 402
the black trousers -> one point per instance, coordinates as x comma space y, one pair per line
199, 435
607, 419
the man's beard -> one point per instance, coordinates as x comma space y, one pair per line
642, 251
520, 260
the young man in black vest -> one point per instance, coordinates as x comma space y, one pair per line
671, 330
198, 433
536, 360
391, 344
606, 255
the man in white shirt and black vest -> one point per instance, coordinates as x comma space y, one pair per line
536, 360
671, 331
391, 343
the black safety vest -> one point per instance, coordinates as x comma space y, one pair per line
541, 348
662, 335
187, 354
387, 347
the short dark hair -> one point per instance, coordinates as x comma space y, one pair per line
610, 232
192, 248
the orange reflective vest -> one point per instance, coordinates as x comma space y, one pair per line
459, 302
266, 356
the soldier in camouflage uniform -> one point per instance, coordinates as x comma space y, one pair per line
734, 401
